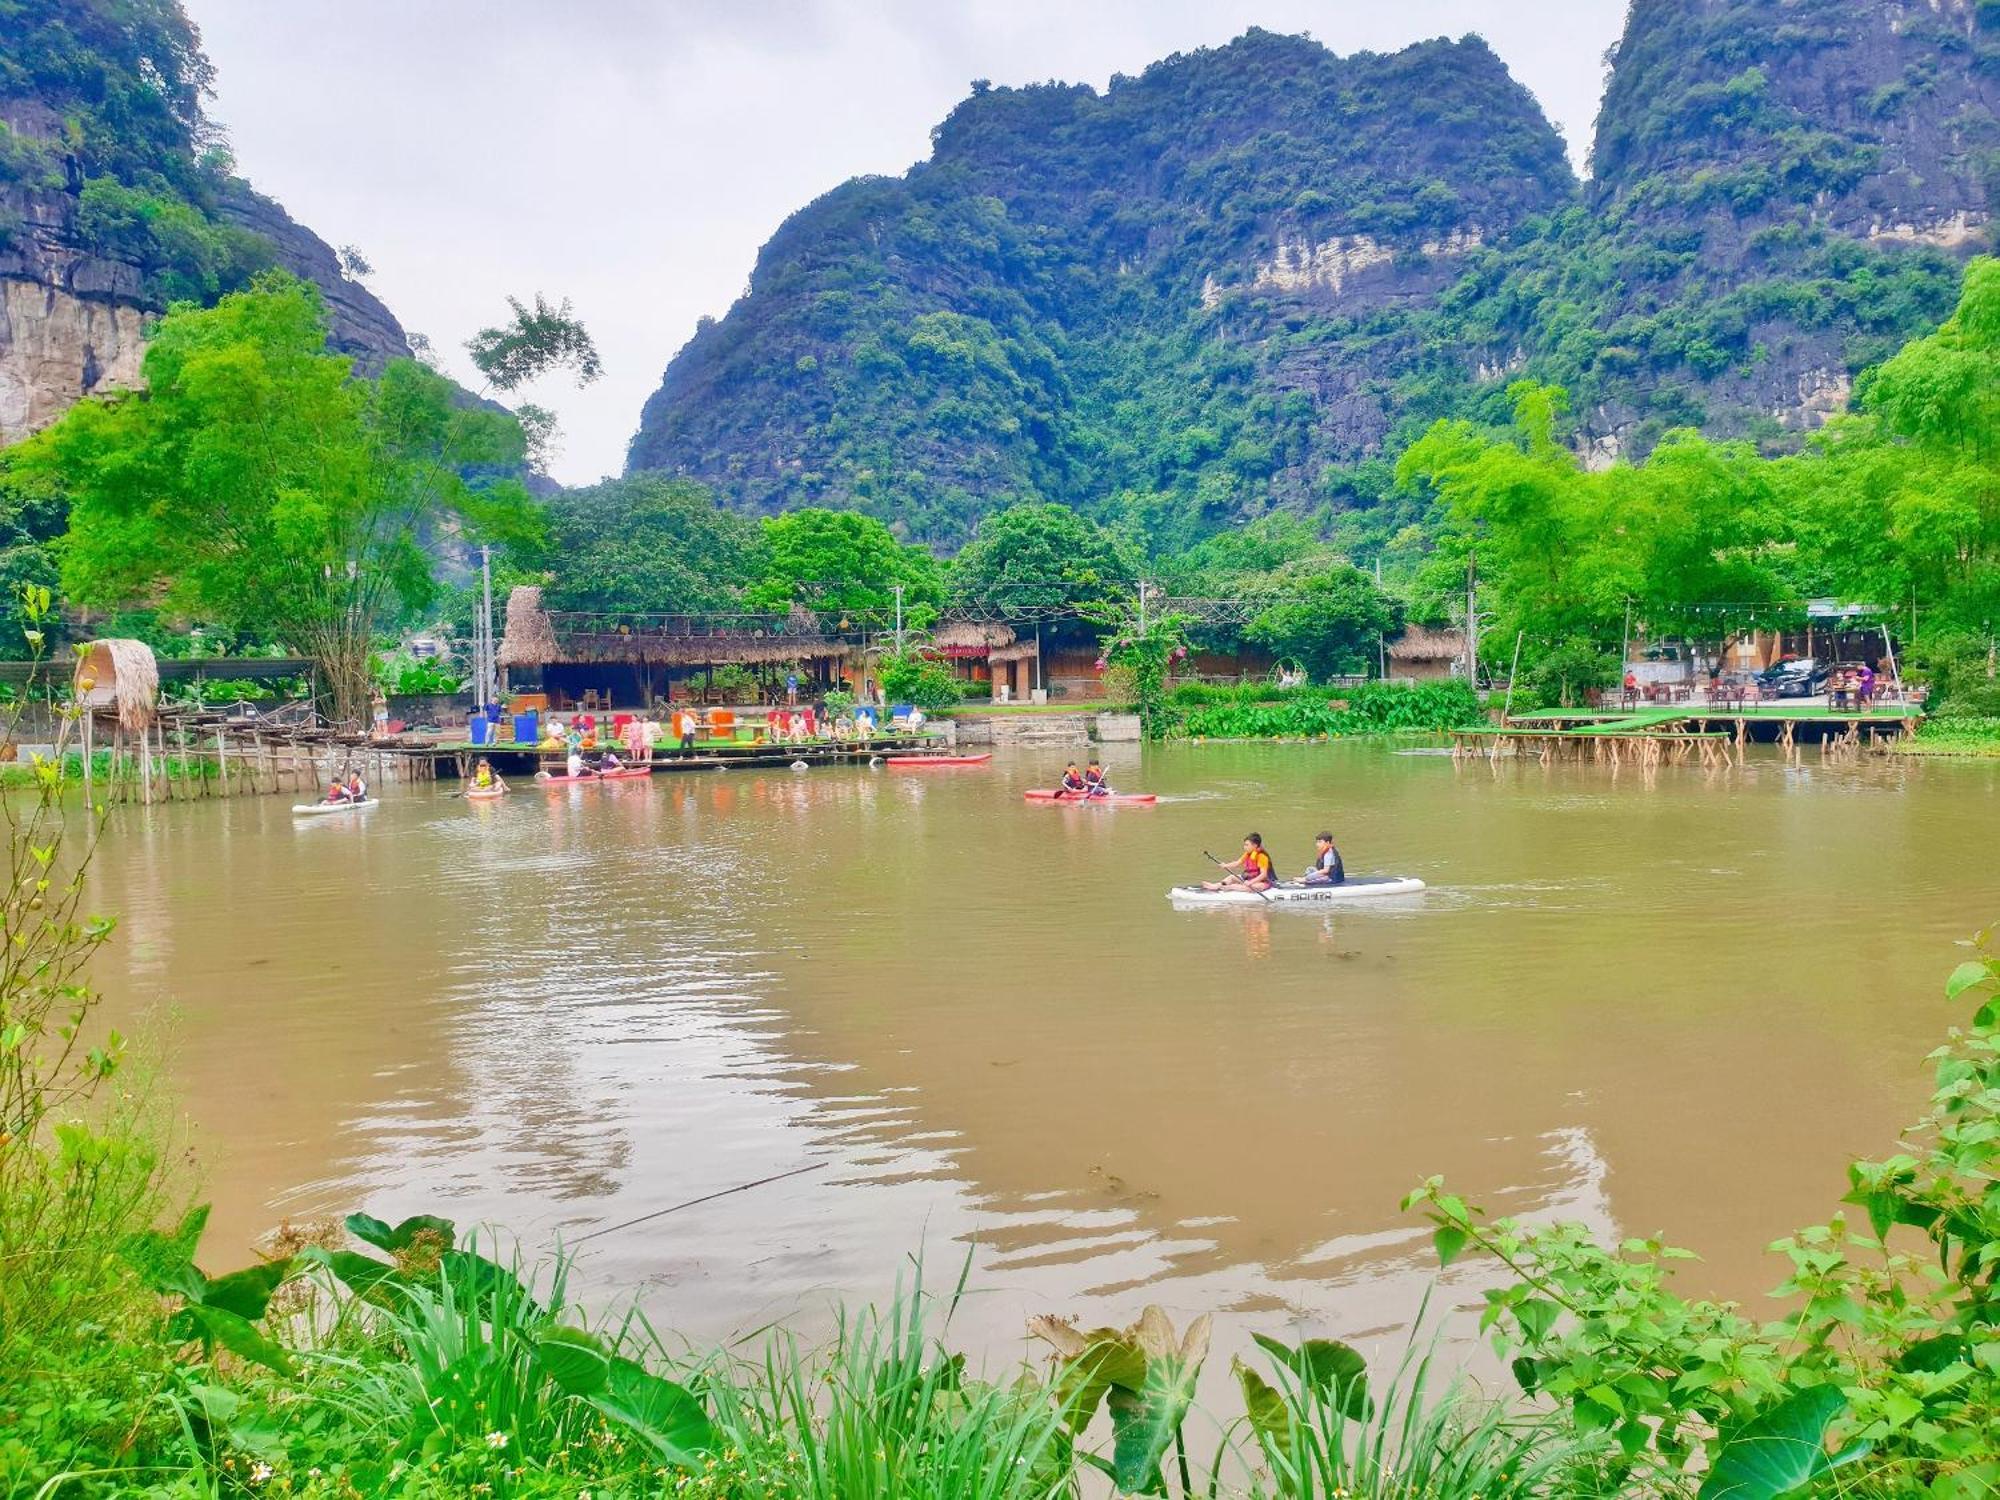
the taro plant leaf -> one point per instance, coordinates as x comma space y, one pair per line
484, 1279
1778, 1451
1145, 1419
1328, 1368
240, 1337
260, 1436
362, 1274
575, 1359
1109, 1359
164, 1261
248, 1292
664, 1414
1269, 1417
398, 1238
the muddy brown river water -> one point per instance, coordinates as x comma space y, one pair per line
1676, 1005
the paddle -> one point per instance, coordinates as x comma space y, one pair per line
1227, 871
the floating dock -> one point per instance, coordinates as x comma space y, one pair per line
457, 758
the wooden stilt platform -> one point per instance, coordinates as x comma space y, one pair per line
1710, 735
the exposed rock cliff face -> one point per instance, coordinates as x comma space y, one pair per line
1244, 278
72, 317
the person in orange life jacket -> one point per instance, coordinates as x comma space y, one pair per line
1072, 783
1094, 781
1254, 871
1327, 867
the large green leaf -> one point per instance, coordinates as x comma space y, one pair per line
248, 1292
1144, 1421
1269, 1417
664, 1414
1109, 1358
397, 1238
1780, 1450
1328, 1368
575, 1359
240, 1337
361, 1273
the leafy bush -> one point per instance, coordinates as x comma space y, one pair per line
919, 680
1369, 708
1887, 1346
413, 675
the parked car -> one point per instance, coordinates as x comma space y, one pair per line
1802, 677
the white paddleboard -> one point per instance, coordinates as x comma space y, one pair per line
319, 809
1354, 888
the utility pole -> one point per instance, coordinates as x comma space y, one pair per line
487, 669
1142, 609
899, 619
1471, 622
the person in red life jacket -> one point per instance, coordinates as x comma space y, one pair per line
1252, 872
1094, 781
1072, 784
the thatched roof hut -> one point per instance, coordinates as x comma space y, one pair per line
1422, 643
119, 677
975, 639
528, 639
536, 638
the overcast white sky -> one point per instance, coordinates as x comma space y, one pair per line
632, 155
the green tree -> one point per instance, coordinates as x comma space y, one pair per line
1042, 557
256, 482
649, 545
839, 561
1329, 621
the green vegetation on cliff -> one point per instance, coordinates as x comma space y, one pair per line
1244, 280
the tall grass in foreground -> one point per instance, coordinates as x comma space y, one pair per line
1321, 1438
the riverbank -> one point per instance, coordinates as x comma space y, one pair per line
1947, 736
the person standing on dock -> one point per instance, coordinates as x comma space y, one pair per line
791, 687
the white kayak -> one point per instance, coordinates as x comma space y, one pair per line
316, 809
1354, 888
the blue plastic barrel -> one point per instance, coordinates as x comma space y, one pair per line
528, 727
482, 730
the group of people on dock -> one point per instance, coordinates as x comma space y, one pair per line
1256, 872
1851, 687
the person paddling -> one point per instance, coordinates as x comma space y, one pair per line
1252, 872
485, 778
1094, 782
1327, 867
357, 789
1072, 783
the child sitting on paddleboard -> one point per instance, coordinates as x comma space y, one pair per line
1252, 872
1327, 868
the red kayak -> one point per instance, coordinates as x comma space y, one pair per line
629, 773
938, 760
1111, 799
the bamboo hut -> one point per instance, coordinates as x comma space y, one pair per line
118, 681
635, 659
1423, 654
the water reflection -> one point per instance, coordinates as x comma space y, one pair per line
1671, 1005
